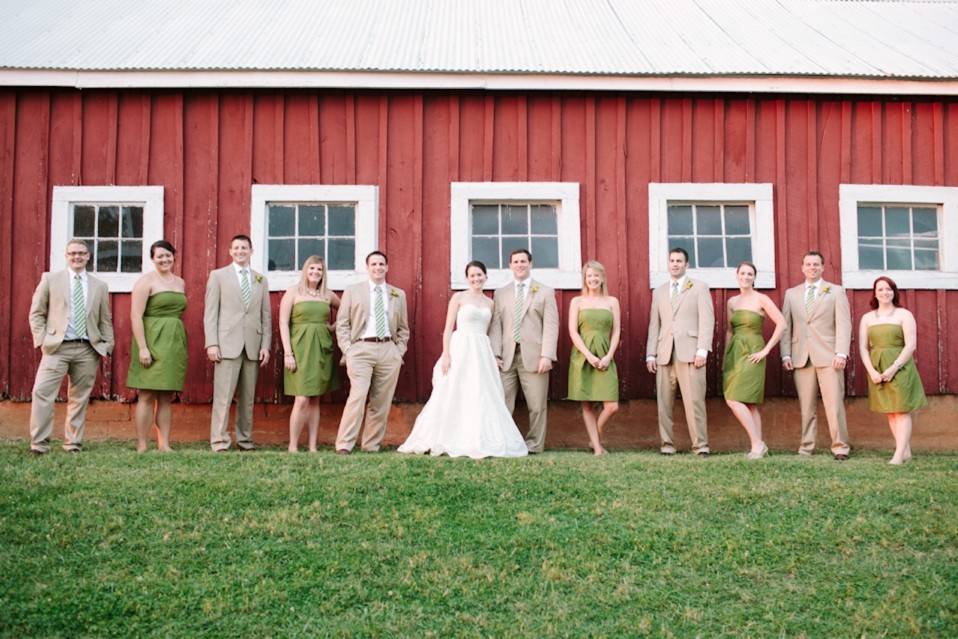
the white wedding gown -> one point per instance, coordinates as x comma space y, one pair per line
466, 415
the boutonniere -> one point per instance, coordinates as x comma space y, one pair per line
393, 293
535, 288
688, 284
825, 289
259, 278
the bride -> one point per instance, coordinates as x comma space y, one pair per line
466, 415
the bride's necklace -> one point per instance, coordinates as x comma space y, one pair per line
312, 292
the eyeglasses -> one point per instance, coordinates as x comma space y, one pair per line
77, 253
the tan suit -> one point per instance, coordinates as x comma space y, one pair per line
538, 338
811, 340
49, 316
676, 331
240, 333
373, 367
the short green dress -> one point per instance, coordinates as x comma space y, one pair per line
312, 344
743, 381
904, 393
587, 383
166, 339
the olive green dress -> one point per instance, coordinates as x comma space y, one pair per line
166, 339
743, 381
904, 393
587, 383
312, 344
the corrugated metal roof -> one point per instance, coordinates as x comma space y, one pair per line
898, 39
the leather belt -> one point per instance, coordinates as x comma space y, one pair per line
378, 340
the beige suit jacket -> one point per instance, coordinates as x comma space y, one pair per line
686, 328
354, 312
50, 313
230, 326
821, 334
538, 330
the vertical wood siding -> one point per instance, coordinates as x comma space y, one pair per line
206, 148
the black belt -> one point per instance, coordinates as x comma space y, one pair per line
79, 339
378, 340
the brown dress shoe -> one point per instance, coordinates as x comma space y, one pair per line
841, 457
342, 451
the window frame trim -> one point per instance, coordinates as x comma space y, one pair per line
758, 196
366, 197
945, 197
61, 217
565, 195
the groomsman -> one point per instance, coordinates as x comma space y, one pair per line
818, 329
71, 325
236, 321
524, 335
681, 324
372, 330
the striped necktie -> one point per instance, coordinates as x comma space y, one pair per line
245, 289
79, 307
379, 313
675, 295
809, 299
517, 310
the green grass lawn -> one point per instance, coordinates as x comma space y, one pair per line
561, 544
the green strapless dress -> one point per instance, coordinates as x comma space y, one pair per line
743, 381
587, 383
166, 339
312, 344
904, 393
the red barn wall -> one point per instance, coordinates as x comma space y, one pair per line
206, 148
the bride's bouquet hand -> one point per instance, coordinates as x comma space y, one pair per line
444, 363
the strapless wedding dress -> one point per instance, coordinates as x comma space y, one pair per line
466, 414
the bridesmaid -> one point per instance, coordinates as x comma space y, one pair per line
158, 357
304, 328
743, 370
594, 326
886, 343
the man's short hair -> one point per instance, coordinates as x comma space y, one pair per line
76, 240
377, 252
520, 250
245, 238
679, 249
820, 256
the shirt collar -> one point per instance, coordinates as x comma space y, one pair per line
239, 269
679, 281
526, 282
814, 284
373, 285
73, 275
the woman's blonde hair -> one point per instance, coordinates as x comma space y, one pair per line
304, 283
598, 268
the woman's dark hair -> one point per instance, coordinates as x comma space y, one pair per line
894, 289
748, 264
161, 244
479, 265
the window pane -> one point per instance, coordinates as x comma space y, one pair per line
684, 243
280, 254
546, 252
84, 220
926, 255
342, 255
485, 220
312, 220
869, 221
899, 259
680, 219
109, 222
509, 244
896, 222
544, 219
131, 256
106, 257
281, 220
132, 225
736, 221
708, 220
342, 220
309, 246
926, 222
710, 252
738, 250
871, 254
515, 220
486, 250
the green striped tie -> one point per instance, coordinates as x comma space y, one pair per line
809, 299
245, 289
517, 310
379, 313
79, 307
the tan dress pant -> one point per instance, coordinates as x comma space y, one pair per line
535, 388
809, 380
691, 383
373, 369
79, 361
230, 375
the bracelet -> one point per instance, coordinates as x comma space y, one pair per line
288, 355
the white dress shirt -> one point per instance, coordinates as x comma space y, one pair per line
70, 332
371, 320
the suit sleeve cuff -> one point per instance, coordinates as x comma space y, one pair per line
650, 358
842, 355
701, 353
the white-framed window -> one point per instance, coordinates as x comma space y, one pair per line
491, 219
288, 223
719, 225
118, 223
905, 232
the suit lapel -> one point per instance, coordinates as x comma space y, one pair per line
682, 295
364, 310
508, 301
232, 281
819, 297
527, 302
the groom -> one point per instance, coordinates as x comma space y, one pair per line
524, 336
